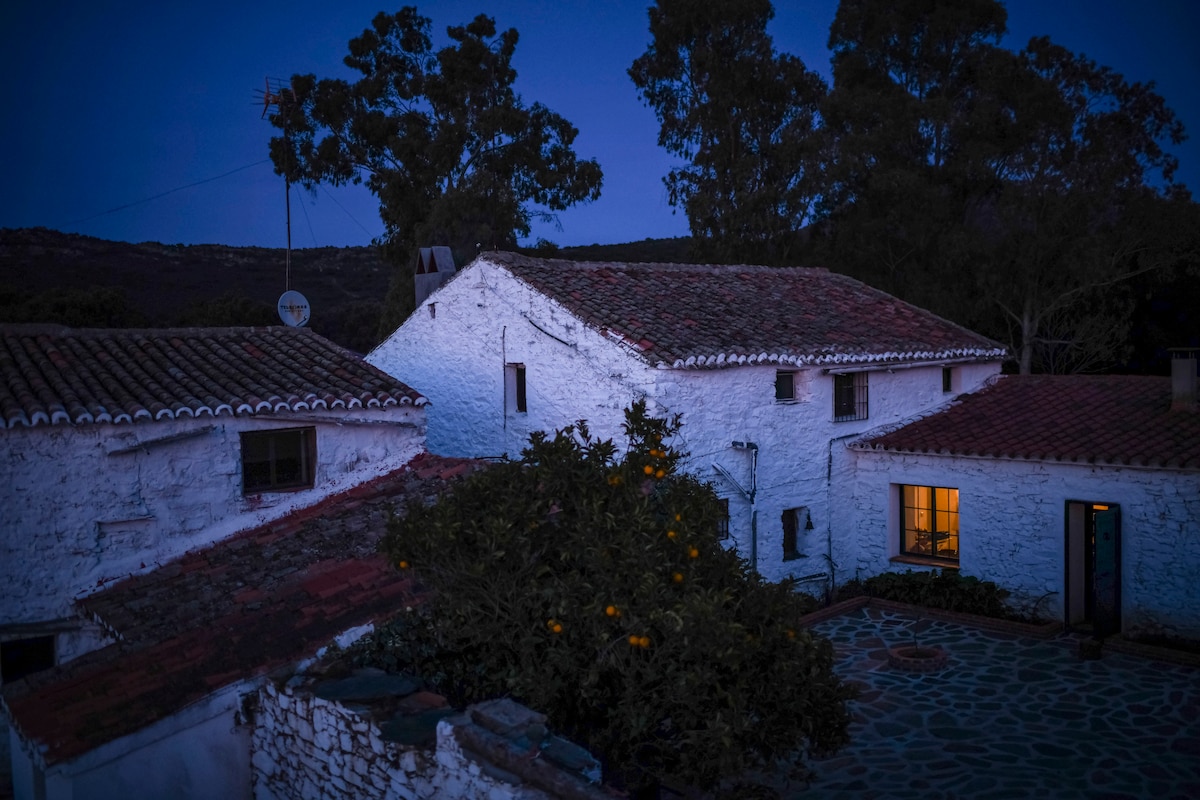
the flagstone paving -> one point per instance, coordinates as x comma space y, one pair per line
1009, 717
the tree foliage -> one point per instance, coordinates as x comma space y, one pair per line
746, 119
1017, 193
594, 588
440, 136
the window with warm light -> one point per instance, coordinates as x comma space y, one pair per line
929, 522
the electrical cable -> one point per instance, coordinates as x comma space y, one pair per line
169, 191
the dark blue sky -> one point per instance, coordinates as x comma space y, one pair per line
109, 106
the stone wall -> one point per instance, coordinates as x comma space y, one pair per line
1013, 527
306, 747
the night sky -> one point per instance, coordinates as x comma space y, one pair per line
107, 105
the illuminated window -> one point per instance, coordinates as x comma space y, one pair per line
849, 396
278, 460
929, 522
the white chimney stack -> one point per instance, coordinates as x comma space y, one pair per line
1183, 378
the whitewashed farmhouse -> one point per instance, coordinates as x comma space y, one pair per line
771, 369
1080, 491
122, 449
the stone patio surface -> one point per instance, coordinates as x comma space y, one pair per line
1009, 717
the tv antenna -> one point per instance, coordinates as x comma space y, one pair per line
293, 307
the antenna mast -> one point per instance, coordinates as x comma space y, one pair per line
278, 96
293, 306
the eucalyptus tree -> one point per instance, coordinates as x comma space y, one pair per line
744, 118
439, 136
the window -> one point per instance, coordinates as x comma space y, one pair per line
791, 520
278, 460
21, 657
514, 388
947, 380
929, 522
849, 396
785, 386
723, 518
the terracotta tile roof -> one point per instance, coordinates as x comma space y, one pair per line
687, 315
51, 375
1092, 419
238, 609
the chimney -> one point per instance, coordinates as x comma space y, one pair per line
434, 267
1183, 378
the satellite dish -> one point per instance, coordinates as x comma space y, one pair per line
293, 309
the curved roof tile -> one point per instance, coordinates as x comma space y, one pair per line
52, 375
688, 315
1120, 420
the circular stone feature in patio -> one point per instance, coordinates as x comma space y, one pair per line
912, 658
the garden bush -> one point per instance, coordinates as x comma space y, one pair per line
594, 588
944, 589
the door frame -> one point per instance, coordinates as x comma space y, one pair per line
1079, 584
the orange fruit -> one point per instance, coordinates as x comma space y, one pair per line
403, 565
611, 611
671, 534
693, 552
649, 470
677, 577
660, 473
634, 639
644, 641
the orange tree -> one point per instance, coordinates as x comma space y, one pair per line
595, 589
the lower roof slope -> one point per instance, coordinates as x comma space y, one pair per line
53, 375
695, 315
235, 610
1121, 420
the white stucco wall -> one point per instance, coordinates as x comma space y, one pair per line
76, 514
454, 347
200, 753
1013, 527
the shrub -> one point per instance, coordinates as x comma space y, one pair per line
945, 589
595, 589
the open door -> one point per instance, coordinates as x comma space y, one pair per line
1093, 567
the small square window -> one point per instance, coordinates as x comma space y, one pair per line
785, 385
278, 460
849, 396
514, 389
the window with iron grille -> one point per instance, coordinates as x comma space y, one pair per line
278, 460
849, 396
929, 522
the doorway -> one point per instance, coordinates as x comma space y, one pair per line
1093, 567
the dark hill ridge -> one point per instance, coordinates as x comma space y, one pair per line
161, 280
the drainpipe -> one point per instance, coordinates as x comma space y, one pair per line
829, 509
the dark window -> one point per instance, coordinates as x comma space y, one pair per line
278, 460
947, 379
929, 522
849, 396
514, 387
21, 657
792, 519
785, 385
723, 519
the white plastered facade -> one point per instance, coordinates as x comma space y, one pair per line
457, 344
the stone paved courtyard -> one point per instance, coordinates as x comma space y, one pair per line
1009, 717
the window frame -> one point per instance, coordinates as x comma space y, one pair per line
307, 452
516, 400
851, 396
785, 390
723, 518
952, 518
